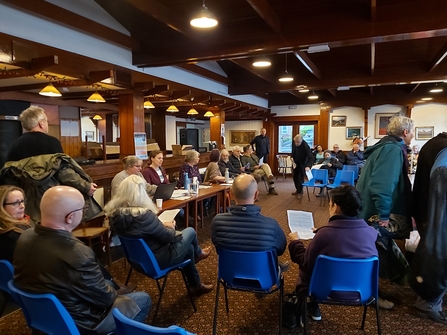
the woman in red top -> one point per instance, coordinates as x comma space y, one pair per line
154, 173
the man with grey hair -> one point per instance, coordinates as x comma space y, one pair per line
225, 163
243, 228
302, 160
386, 188
35, 141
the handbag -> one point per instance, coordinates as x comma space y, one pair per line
290, 310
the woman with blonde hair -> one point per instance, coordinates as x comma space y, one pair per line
189, 168
132, 214
13, 220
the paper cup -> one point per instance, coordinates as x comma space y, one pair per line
159, 203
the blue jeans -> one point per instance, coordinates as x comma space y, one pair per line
143, 300
186, 248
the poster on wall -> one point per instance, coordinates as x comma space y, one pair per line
140, 145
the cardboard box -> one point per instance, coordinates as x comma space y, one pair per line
180, 150
153, 146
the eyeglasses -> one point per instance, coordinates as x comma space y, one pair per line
15, 203
79, 209
138, 166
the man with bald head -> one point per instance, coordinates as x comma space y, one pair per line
244, 228
49, 259
355, 156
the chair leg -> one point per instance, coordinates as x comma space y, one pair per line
165, 280
379, 330
307, 189
226, 297
189, 290
364, 317
216, 307
128, 275
304, 316
281, 294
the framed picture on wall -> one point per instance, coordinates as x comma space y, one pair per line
424, 133
240, 137
90, 135
353, 132
338, 121
382, 121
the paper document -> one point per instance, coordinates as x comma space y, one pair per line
168, 215
309, 175
302, 223
261, 161
179, 193
202, 187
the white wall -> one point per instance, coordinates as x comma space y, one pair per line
241, 125
429, 115
296, 110
337, 135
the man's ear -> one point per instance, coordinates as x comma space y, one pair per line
256, 195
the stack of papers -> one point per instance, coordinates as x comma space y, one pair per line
302, 223
168, 215
180, 195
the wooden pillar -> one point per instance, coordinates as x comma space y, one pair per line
131, 119
159, 127
365, 126
109, 127
217, 127
323, 126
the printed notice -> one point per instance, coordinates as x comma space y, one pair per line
302, 223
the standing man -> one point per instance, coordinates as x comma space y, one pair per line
386, 191
35, 141
337, 153
49, 259
302, 160
261, 144
429, 279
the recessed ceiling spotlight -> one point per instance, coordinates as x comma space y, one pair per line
436, 90
312, 97
303, 90
420, 101
427, 99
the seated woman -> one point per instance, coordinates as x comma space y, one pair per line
132, 166
13, 220
212, 173
189, 168
132, 213
345, 236
330, 163
154, 173
318, 153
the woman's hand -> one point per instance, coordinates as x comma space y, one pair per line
294, 236
169, 224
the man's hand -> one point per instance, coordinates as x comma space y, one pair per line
384, 223
294, 236
307, 168
329, 164
93, 188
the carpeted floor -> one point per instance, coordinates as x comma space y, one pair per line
250, 314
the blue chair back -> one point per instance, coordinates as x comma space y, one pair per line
46, 313
343, 177
243, 270
334, 279
141, 257
6, 274
320, 175
354, 168
126, 326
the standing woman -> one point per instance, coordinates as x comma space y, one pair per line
302, 160
13, 220
190, 168
154, 173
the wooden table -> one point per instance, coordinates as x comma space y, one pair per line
215, 190
90, 233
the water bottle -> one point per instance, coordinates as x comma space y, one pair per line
194, 187
186, 181
227, 176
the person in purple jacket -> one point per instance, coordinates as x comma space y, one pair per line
345, 236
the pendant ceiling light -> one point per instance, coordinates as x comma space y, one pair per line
192, 111
262, 62
313, 96
50, 91
147, 104
209, 114
286, 77
172, 109
97, 117
96, 97
204, 18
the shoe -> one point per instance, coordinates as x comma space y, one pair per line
314, 311
205, 253
385, 304
432, 315
202, 289
273, 191
295, 193
284, 266
126, 289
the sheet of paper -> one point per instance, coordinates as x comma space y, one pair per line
302, 223
261, 161
309, 175
204, 186
179, 193
168, 215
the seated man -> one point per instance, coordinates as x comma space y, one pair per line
337, 153
345, 236
243, 228
235, 159
49, 259
251, 163
355, 157
225, 163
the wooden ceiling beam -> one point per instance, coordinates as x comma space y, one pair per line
31, 68
179, 94
266, 12
97, 76
308, 64
247, 65
157, 89
143, 86
205, 73
440, 56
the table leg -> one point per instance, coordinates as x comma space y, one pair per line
187, 215
109, 256
195, 214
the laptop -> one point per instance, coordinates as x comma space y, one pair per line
164, 191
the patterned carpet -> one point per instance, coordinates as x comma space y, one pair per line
250, 314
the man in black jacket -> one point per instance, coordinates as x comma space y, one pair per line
49, 259
261, 144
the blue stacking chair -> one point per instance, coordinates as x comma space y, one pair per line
320, 180
7, 274
256, 272
142, 259
126, 326
341, 178
354, 168
333, 277
45, 312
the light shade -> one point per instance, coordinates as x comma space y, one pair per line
286, 77
192, 111
312, 97
262, 62
148, 104
97, 117
50, 91
172, 109
96, 97
204, 19
436, 90
209, 114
